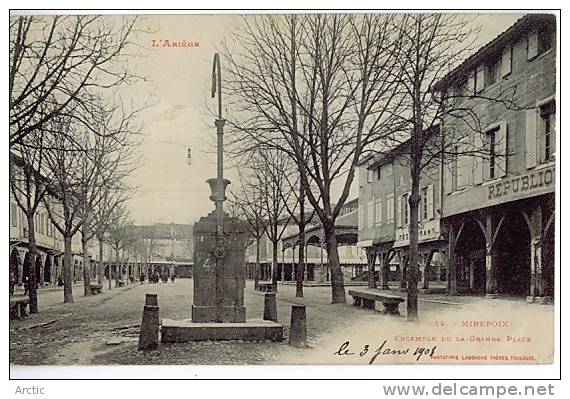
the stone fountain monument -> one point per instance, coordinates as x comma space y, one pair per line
218, 311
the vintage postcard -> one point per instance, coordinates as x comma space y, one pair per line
305, 188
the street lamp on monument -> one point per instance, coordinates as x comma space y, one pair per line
218, 186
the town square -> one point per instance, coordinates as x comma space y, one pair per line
287, 188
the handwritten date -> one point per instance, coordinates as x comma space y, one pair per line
384, 350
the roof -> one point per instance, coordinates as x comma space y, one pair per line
166, 231
519, 28
381, 158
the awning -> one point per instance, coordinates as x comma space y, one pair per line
364, 243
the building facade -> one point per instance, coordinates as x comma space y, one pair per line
488, 215
49, 241
383, 218
352, 258
498, 210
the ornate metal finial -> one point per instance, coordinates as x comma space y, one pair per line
217, 82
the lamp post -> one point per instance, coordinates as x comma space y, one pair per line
218, 187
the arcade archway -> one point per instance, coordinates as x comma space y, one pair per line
469, 259
511, 256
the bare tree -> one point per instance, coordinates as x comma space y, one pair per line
320, 85
249, 206
29, 185
120, 234
108, 159
432, 45
57, 63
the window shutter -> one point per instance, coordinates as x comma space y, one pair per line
532, 45
531, 154
478, 160
471, 83
408, 205
462, 171
480, 78
399, 210
501, 139
506, 61
448, 177
430, 200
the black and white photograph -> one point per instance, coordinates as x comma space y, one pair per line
283, 188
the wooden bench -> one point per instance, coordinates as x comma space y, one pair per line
368, 300
121, 283
96, 288
265, 287
18, 307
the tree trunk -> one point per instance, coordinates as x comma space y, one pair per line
86, 269
67, 265
117, 266
100, 265
275, 263
301, 268
413, 250
337, 279
256, 276
32, 291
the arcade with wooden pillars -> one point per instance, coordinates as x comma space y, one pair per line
384, 254
504, 250
316, 268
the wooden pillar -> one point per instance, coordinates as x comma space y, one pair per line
283, 264
384, 268
371, 260
40, 278
490, 232
535, 223
451, 265
20, 266
426, 259
403, 271
293, 270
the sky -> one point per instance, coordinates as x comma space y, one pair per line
178, 83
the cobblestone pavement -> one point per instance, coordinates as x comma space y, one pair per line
103, 329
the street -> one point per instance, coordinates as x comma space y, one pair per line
103, 329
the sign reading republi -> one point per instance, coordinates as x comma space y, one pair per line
524, 183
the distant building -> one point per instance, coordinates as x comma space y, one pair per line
49, 241
352, 259
384, 216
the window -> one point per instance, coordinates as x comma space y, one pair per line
14, 214
378, 173
454, 168
360, 217
492, 146
479, 78
548, 123
405, 205
369, 175
506, 60
370, 215
424, 214
491, 73
544, 41
378, 213
390, 208
538, 42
